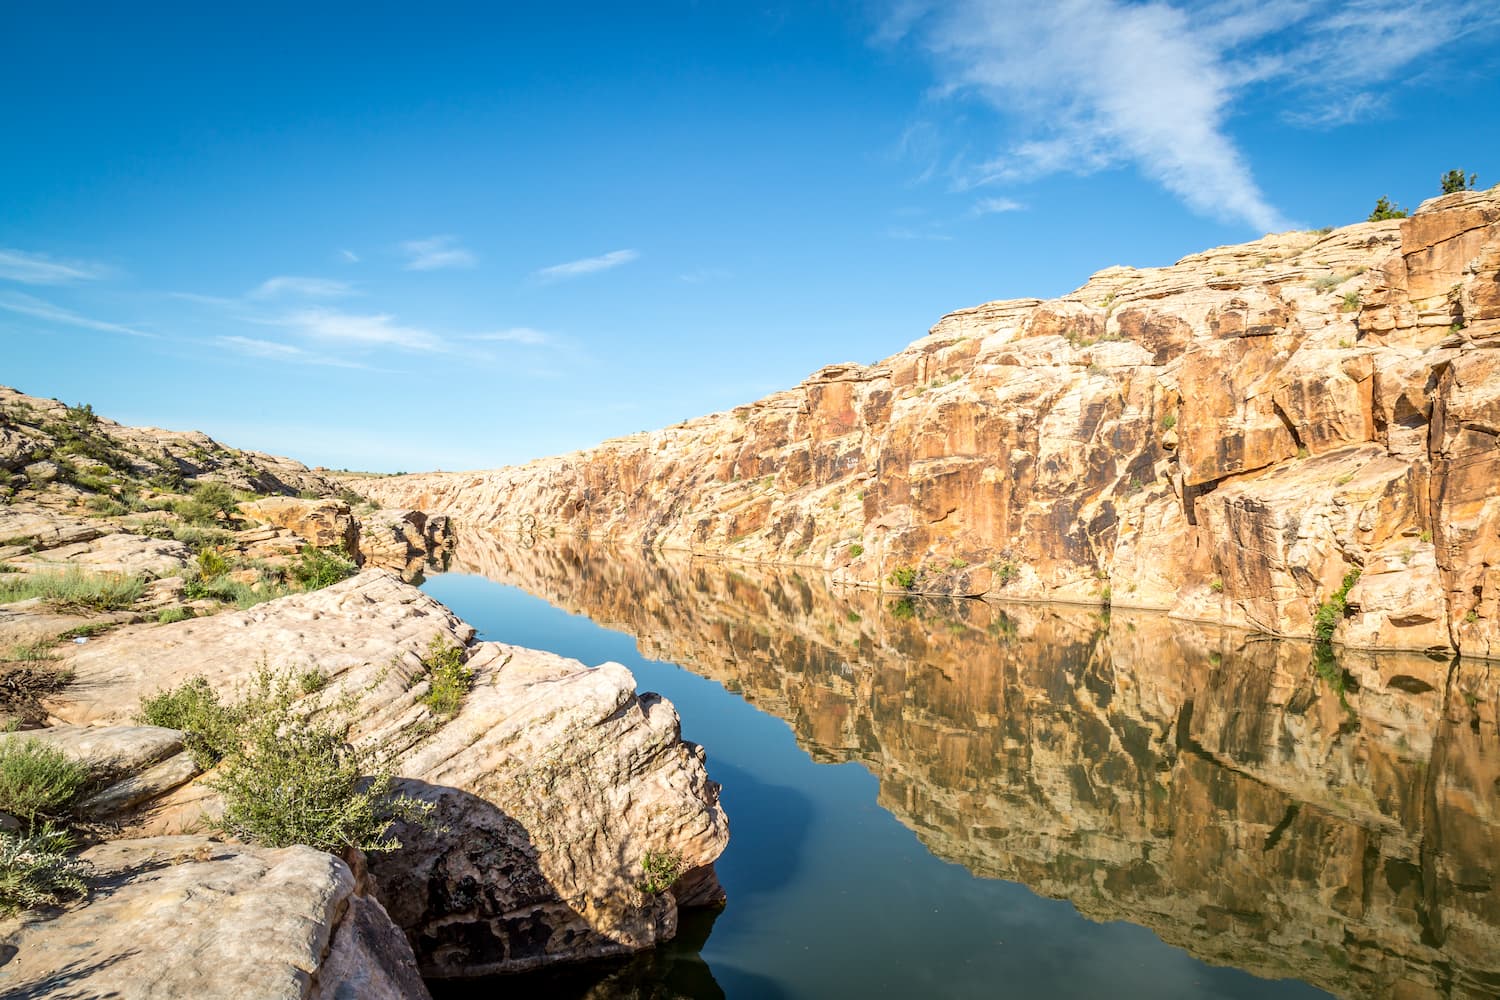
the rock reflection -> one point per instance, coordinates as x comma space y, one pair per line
1338, 825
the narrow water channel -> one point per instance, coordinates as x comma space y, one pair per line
951, 799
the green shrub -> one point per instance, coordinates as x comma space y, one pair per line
1350, 302
208, 503
1384, 209
904, 577
317, 568
36, 870
211, 728
448, 679
1216, 585
211, 563
1331, 611
659, 869
856, 550
1169, 421
293, 780
1006, 573
170, 615
37, 780
74, 589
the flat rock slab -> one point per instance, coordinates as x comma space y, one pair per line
365, 635
185, 917
134, 555
108, 750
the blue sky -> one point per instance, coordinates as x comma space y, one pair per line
396, 237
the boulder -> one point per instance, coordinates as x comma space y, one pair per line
187, 917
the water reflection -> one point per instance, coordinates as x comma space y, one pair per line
1243, 799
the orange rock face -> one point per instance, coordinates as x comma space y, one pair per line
1226, 439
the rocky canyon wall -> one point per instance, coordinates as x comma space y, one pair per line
1226, 439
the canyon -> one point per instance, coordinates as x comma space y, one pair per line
1228, 439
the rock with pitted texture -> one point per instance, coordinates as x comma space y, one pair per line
184, 918
1225, 439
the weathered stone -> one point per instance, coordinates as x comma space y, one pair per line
185, 917
586, 773
321, 523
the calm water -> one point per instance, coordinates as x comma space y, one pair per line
949, 799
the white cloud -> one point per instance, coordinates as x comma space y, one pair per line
435, 253
348, 256
1085, 85
305, 287
378, 330
588, 265
516, 335
26, 305
41, 269
995, 206
275, 351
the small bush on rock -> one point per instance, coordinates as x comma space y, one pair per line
291, 779
447, 678
317, 568
210, 726
37, 780
35, 870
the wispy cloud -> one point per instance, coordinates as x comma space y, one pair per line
41, 269
995, 206
272, 350
436, 253
1084, 85
588, 265
348, 256
312, 288
379, 330
27, 305
516, 335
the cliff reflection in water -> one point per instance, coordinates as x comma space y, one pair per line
1334, 823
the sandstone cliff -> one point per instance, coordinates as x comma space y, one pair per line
1227, 439
1334, 823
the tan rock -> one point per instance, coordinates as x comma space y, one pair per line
185, 917
321, 523
560, 765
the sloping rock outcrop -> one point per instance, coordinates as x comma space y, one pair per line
552, 782
1240, 796
1226, 439
188, 918
46, 441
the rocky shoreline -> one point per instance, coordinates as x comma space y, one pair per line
551, 786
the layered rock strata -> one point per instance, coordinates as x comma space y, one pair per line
183, 918
551, 783
1242, 797
1226, 439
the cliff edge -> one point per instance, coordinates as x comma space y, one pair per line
1239, 438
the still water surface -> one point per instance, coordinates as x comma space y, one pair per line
951, 799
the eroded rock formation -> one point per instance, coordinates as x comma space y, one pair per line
183, 918
1226, 439
1241, 796
552, 782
